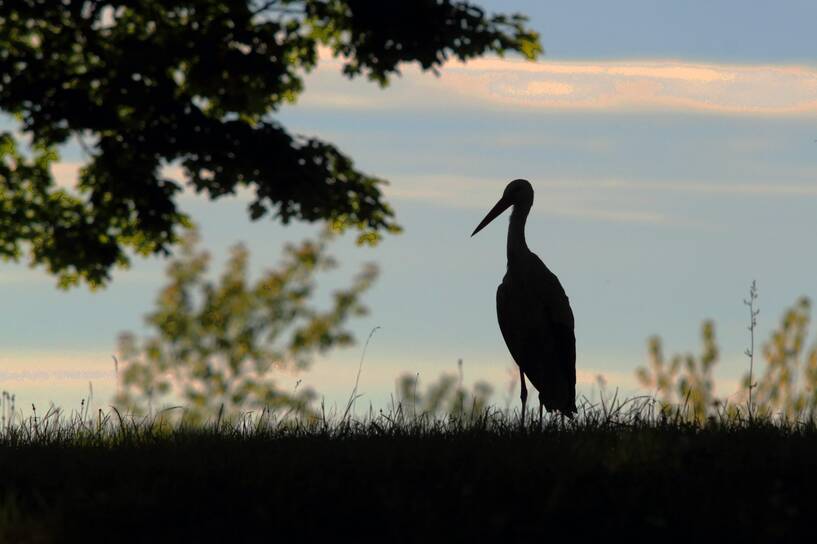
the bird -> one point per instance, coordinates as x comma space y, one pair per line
534, 312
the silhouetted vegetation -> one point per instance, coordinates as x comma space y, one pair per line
446, 396
145, 84
683, 379
787, 385
788, 382
617, 468
218, 345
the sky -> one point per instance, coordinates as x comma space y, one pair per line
672, 148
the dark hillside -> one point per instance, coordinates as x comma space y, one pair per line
412, 484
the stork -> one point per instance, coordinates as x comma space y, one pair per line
534, 312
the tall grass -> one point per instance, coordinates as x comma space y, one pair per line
608, 414
398, 475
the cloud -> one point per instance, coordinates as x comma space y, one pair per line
563, 199
638, 85
449, 189
334, 376
536, 88
659, 70
66, 173
62, 376
605, 200
482, 195
625, 85
18, 360
698, 187
567, 197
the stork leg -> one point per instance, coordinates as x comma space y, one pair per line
523, 395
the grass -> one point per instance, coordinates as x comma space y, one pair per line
618, 467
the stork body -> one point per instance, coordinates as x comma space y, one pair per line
534, 312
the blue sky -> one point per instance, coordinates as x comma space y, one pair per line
672, 150
708, 30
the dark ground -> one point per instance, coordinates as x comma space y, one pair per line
675, 482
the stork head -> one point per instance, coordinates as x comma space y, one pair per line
519, 193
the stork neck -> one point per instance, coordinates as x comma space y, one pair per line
516, 232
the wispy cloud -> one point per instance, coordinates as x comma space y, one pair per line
566, 201
62, 376
567, 197
692, 187
45, 360
593, 200
336, 377
66, 173
639, 85
480, 191
628, 85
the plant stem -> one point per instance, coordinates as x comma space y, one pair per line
753, 313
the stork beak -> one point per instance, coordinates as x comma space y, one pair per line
500, 207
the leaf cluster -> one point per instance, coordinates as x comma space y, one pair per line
143, 84
684, 378
217, 345
787, 386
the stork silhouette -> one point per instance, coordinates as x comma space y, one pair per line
534, 312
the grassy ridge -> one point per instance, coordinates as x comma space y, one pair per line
407, 479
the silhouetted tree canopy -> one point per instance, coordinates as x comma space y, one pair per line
143, 84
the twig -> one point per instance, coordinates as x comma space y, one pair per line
354, 396
750, 352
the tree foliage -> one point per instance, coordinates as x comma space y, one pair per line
142, 84
218, 345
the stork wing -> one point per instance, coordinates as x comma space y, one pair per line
561, 392
553, 296
512, 326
